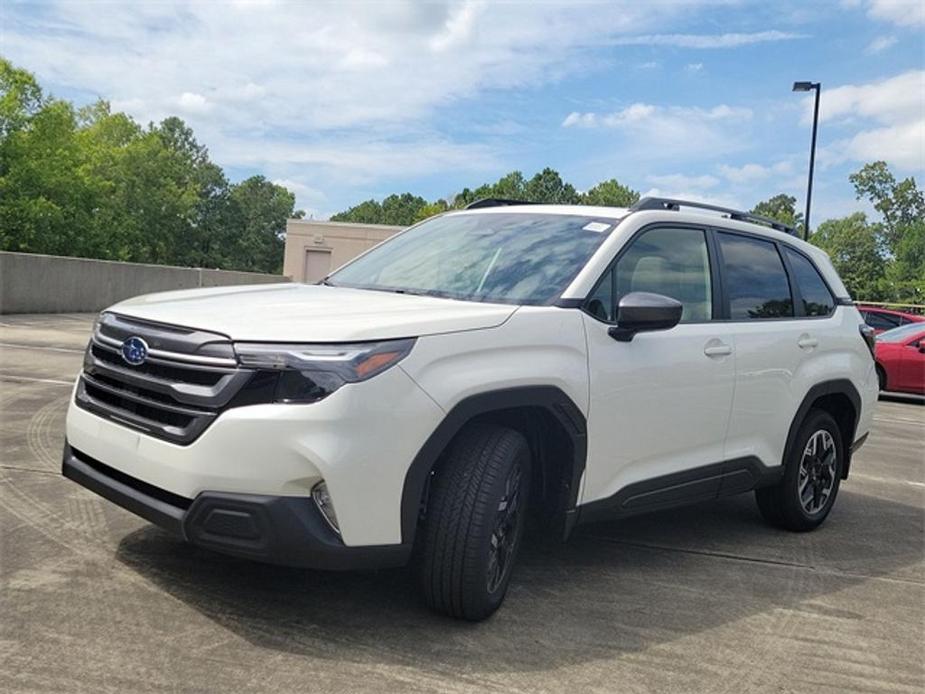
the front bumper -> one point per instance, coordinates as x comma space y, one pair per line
288, 530
360, 440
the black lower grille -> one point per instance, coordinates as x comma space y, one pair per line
163, 495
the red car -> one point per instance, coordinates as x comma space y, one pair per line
881, 319
900, 355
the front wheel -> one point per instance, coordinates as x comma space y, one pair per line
475, 520
812, 474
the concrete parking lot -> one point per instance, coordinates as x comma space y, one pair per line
703, 599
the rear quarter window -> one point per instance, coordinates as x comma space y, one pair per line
816, 297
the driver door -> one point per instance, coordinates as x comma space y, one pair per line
659, 404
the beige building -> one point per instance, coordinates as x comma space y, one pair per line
313, 248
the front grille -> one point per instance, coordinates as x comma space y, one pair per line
189, 377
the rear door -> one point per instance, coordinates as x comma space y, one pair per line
787, 334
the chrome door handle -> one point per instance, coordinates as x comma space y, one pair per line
719, 350
807, 342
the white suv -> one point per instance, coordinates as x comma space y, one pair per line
573, 363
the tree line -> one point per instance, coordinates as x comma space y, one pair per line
92, 183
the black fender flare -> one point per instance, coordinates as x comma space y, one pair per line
841, 386
550, 398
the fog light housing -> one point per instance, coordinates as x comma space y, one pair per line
326, 505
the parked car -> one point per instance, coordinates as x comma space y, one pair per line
574, 363
900, 355
881, 319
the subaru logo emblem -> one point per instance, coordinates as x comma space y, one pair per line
135, 351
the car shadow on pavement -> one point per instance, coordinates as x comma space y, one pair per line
613, 588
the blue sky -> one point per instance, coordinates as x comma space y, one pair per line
345, 101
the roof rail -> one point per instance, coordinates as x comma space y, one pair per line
496, 202
672, 204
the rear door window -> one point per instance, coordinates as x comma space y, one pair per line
757, 286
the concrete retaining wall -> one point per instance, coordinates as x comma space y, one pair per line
31, 283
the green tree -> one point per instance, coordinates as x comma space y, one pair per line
900, 202
20, 97
261, 209
402, 210
781, 208
904, 279
398, 209
431, 209
89, 182
610, 193
854, 247
548, 187
367, 212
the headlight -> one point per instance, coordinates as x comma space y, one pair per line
310, 372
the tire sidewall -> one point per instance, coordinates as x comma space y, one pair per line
492, 499
816, 420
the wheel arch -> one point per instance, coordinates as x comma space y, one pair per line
841, 400
554, 426
881, 370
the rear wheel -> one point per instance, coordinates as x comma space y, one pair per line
812, 474
475, 521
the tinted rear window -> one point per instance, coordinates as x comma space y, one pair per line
817, 299
756, 282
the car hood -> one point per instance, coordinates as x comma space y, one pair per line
312, 313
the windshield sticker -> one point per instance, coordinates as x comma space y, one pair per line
596, 226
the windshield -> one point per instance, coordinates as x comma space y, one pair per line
517, 258
907, 332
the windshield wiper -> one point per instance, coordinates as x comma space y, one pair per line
415, 292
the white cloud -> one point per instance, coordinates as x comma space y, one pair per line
902, 12
692, 195
671, 131
189, 102
891, 100
693, 67
334, 91
665, 118
708, 41
750, 173
902, 145
880, 44
889, 116
682, 181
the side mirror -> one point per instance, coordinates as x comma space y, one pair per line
643, 312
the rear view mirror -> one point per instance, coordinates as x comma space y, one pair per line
643, 312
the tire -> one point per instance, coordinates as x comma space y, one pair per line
802, 500
469, 509
881, 378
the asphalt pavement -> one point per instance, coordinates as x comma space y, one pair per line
702, 599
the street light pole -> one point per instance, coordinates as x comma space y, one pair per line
805, 87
